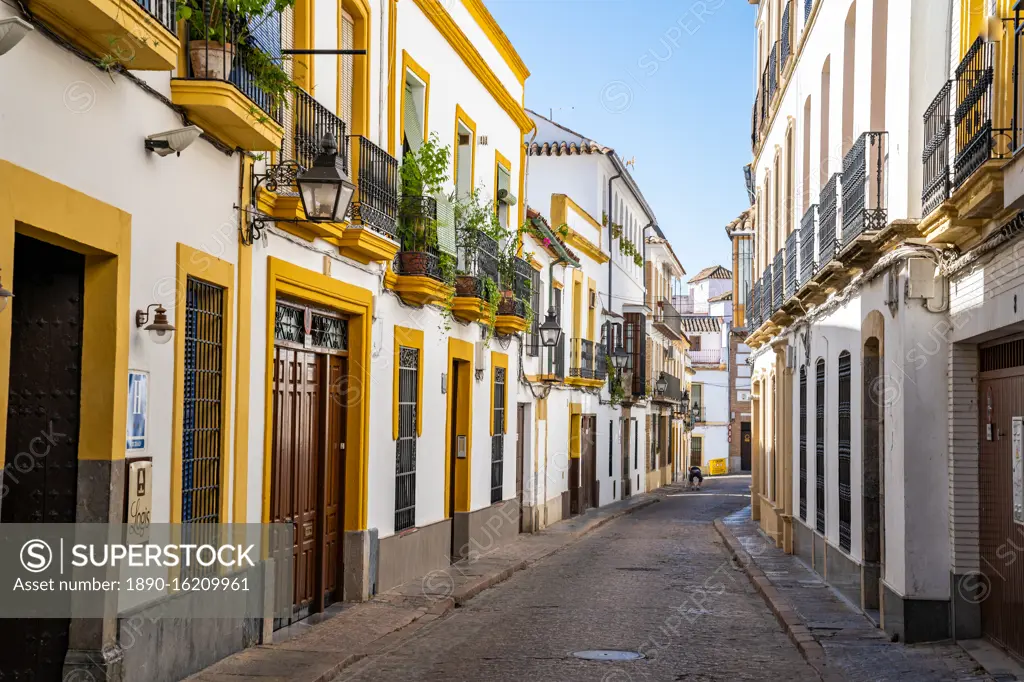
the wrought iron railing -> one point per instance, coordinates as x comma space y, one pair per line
936, 185
556, 357
808, 6
600, 361
766, 294
792, 263
808, 235
755, 121
786, 44
773, 71
522, 279
512, 306
312, 121
753, 311
828, 212
977, 140
418, 253
477, 255
766, 94
778, 279
668, 317
865, 186
163, 11
673, 387
706, 356
375, 203
582, 364
224, 47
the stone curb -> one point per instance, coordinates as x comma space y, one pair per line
460, 596
788, 618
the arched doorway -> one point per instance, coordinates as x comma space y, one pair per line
872, 463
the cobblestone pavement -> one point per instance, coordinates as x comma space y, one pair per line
854, 648
658, 581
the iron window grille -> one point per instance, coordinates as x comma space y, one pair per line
375, 203
792, 265
935, 157
766, 294
405, 446
533, 343
498, 439
803, 443
582, 365
696, 451
325, 332
787, 36
636, 443
778, 281
845, 505
819, 446
201, 411
611, 455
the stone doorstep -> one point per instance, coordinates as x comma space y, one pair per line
291, 661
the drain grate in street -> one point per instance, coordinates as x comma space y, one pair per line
608, 655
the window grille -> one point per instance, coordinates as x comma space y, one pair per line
405, 456
803, 443
845, 505
498, 439
696, 451
819, 445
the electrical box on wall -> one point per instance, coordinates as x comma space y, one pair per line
920, 278
790, 357
483, 356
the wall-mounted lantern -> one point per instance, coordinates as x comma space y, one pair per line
160, 330
550, 331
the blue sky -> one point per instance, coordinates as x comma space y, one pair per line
667, 82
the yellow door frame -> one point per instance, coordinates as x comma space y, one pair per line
460, 351
43, 209
357, 303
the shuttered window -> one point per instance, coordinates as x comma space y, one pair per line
346, 81
412, 116
803, 443
202, 407
819, 445
696, 451
533, 340
405, 456
504, 181
498, 439
845, 504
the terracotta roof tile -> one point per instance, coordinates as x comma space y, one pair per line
701, 324
727, 296
712, 272
567, 148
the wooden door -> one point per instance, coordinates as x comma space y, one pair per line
1001, 397
624, 429
589, 464
521, 437
295, 465
333, 490
40, 476
745, 446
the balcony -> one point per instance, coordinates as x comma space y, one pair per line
477, 263
786, 43
221, 91
865, 194
766, 295
668, 321
708, 356
419, 279
778, 279
773, 74
808, 237
140, 34
512, 315
828, 211
372, 233
754, 309
555, 364
600, 362
937, 181
673, 389
792, 265
634, 330
582, 370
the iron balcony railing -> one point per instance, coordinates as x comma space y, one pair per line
477, 255
766, 294
786, 46
755, 121
224, 47
312, 121
773, 71
936, 185
828, 213
706, 356
164, 11
792, 263
418, 254
808, 236
977, 140
673, 387
522, 279
778, 279
765, 92
600, 361
808, 6
375, 203
582, 364
556, 356
668, 318
865, 186
753, 311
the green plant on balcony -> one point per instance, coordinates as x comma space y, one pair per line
616, 392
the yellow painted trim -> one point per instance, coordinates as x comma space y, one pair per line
589, 248
575, 423
359, 10
463, 351
577, 303
43, 209
410, 338
410, 64
462, 117
498, 39
558, 285
421, 290
501, 162
243, 362
470, 308
303, 31
356, 302
446, 26
364, 245
203, 266
560, 205
522, 185
499, 360
591, 312
221, 110
510, 324
392, 64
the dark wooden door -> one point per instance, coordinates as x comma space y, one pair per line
589, 463
1001, 397
745, 446
521, 437
295, 464
624, 429
574, 486
41, 476
333, 489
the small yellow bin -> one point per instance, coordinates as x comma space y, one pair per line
717, 467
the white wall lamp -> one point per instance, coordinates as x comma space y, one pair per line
12, 30
160, 330
173, 141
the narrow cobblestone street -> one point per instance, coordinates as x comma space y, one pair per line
658, 581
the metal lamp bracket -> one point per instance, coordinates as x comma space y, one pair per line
277, 176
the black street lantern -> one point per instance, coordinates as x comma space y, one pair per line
550, 331
686, 401
326, 189
661, 385
620, 358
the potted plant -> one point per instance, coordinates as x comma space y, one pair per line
423, 173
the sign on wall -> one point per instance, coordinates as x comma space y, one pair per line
138, 407
1018, 469
139, 500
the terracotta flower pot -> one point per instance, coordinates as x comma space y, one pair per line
210, 59
414, 262
467, 285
